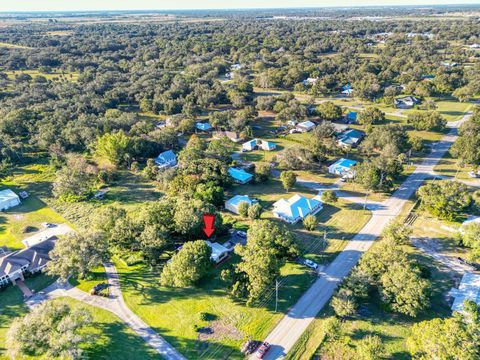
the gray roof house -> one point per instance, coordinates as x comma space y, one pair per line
33, 259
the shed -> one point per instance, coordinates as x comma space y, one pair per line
219, 252
239, 175
8, 199
203, 126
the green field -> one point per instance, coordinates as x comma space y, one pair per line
54, 75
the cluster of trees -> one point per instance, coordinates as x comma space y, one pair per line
445, 199
385, 150
466, 147
429, 120
391, 272
269, 246
455, 337
51, 330
470, 237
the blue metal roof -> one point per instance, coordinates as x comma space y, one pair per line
166, 157
239, 174
203, 126
345, 163
237, 199
352, 115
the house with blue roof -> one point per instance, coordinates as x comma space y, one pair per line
350, 138
239, 175
343, 167
166, 159
296, 208
203, 126
233, 203
250, 145
347, 90
351, 117
268, 145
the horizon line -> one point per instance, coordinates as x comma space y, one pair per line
244, 9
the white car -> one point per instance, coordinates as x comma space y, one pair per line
311, 264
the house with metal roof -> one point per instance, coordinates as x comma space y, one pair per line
14, 265
469, 289
350, 138
347, 90
203, 126
305, 126
296, 208
250, 145
219, 252
343, 167
259, 144
232, 135
406, 102
239, 175
351, 117
8, 199
233, 203
267, 145
166, 159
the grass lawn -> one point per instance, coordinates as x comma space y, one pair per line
447, 166
112, 339
32, 212
175, 313
96, 275
54, 75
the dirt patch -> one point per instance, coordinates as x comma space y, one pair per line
218, 330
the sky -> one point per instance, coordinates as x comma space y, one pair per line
72, 5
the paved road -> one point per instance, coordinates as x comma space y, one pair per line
284, 336
115, 304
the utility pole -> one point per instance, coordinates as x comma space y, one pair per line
276, 295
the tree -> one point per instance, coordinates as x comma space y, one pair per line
445, 199
371, 116
263, 172
50, 330
188, 266
329, 196
430, 120
343, 303
255, 211
114, 147
288, 179
453, 337
471, 239
76, 254
310, 222
243, 209
370, 347
268, 247
466, 146
397, 233
329, 111
75, 180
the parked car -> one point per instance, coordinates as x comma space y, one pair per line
100, 289
49, 225
310, 264
262, 350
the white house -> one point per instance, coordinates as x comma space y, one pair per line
166, 159
469, 289
406, 102
8, 199
343, 167
259, 144
250, 145
267, 145
233, 203
305, 126
310, 81
219, 252
296, 208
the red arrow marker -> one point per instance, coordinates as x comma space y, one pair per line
208, 220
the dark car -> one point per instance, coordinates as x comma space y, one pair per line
262, 350
100, 290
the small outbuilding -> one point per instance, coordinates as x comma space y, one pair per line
8, 199
350, 138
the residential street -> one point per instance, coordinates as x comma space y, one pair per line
284, 336
115, 304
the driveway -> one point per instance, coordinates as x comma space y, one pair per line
57, 230
290, 328
115, 304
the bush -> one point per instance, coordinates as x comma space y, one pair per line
255, 211
243, 209
310, 222
329, 196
